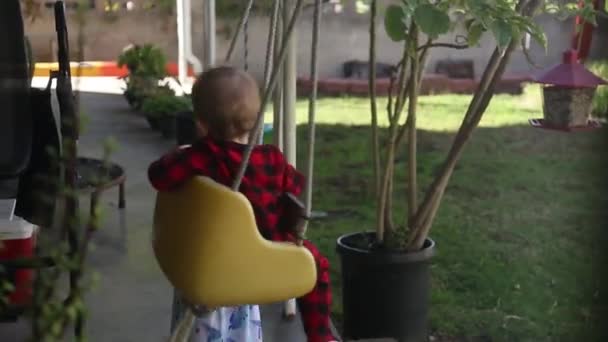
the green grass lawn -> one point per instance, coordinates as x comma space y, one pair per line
518, 232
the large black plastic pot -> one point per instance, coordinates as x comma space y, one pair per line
167, 126
186, 129
153, 121
384, 294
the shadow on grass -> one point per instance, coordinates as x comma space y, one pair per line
519, 234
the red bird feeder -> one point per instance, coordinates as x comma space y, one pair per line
569, 87
568, 95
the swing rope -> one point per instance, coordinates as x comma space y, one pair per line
246, 45
269, 66
270, 51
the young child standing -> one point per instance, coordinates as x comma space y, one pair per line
226, 102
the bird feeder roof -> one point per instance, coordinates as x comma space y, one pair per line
570, 73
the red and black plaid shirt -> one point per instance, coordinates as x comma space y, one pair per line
267, 177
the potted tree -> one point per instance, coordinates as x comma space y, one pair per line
161, 110
386, 273
146, 66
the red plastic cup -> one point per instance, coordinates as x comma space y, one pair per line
18, 240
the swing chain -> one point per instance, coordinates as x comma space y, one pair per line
240, 26
270, 52
266, 97
246, 44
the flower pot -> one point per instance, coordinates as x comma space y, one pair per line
141, 87
566, 106
186, 128
153, 121
385, 294
167, 126
133, 101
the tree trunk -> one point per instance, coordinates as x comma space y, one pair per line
494, 71
373, 99
411, 118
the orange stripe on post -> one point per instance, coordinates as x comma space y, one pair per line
100, 69
113, 70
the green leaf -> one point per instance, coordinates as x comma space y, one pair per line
502, 32
56, 328
588, 15
394, 23
72, 313
476, 30
431, 20
538, 35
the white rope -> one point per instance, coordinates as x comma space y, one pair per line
312, 108
278, 92
184, 329
290, 305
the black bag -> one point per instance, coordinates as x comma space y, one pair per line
39, 184
27, 128
15, 113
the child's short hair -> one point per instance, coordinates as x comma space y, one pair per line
227, 101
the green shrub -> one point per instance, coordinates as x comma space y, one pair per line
600, 102
165, 105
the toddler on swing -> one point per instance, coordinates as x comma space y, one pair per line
226, 103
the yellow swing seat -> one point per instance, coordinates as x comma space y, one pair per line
208, 246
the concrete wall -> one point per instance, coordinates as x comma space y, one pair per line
344, 36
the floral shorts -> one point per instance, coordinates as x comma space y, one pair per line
229, 324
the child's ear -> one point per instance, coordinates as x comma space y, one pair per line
201, 129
